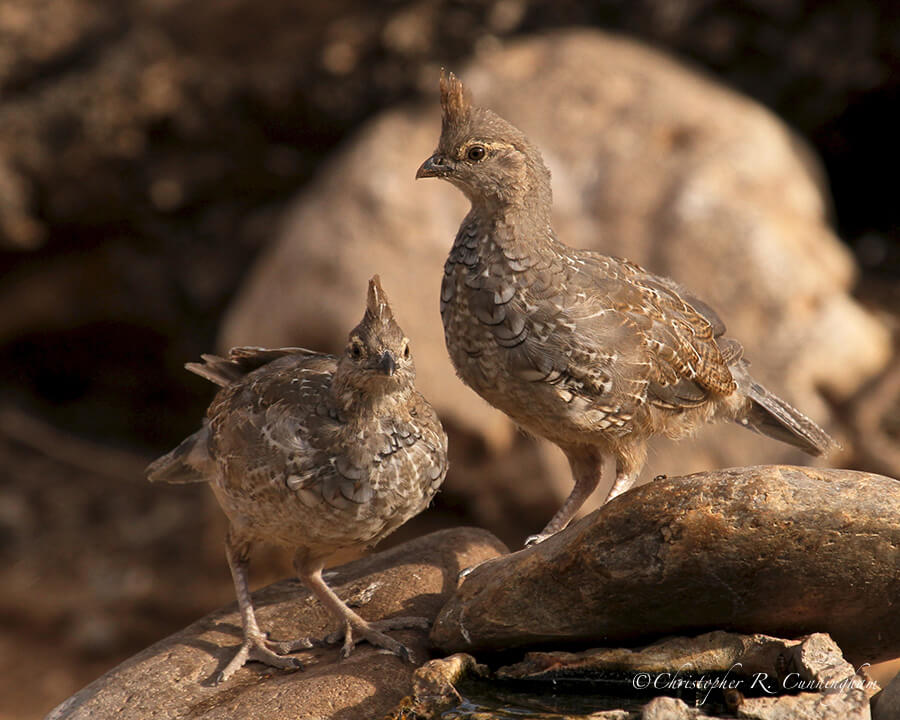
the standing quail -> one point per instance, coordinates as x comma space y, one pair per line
317, 453
589, 351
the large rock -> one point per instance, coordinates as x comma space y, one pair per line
779, 666
886, 705
779, 550
173, 678
651, 161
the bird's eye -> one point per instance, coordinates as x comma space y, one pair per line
355, 350
406, 350
476, 153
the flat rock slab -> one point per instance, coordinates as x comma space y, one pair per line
174, 677
853, 705
780, 550
839, 694
767, 664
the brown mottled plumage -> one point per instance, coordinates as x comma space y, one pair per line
590, 351
316, 453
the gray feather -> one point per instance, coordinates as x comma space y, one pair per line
187, 463
240, 361
770, 415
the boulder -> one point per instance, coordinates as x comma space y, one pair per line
652, 161
174, 677
780, 550
886, 705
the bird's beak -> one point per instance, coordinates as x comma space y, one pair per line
386, 363
435, 166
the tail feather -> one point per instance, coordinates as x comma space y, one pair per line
770, 415
240, 361
187, 463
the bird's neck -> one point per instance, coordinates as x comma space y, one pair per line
353, 402
522, 212
518, 229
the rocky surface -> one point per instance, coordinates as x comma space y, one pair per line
849, 705
667, 708
886, 705
742, 676
779, 550
174, 677
784, 664
650, 161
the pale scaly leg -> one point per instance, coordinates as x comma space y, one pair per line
256, 646
587, 467
355, 629
624, 481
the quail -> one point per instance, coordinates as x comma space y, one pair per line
316, 453
590, 351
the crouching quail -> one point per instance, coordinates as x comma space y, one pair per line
317, 453
589, 351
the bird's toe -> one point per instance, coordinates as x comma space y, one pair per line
532, 540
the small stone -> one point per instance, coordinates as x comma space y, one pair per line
434, 685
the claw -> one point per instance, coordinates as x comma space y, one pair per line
353, 634
536, 539
405, 654
262, 650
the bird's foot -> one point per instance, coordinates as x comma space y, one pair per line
373, 632
537, 539
463, 574
269, 652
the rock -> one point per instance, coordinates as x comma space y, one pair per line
651, 161
435, 680
781, 550
751, 675
781, 665
173, 678
886, 705
850, 705
434, 688
668, 708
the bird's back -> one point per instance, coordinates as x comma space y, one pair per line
570, 341
290, 467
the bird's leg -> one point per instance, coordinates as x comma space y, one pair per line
587, 467
624, 480
354, 629
255, 646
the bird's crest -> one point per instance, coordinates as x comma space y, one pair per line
455, 103
377, 306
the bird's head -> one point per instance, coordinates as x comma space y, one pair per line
377, 358
486, 157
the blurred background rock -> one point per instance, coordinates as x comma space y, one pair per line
178, 176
